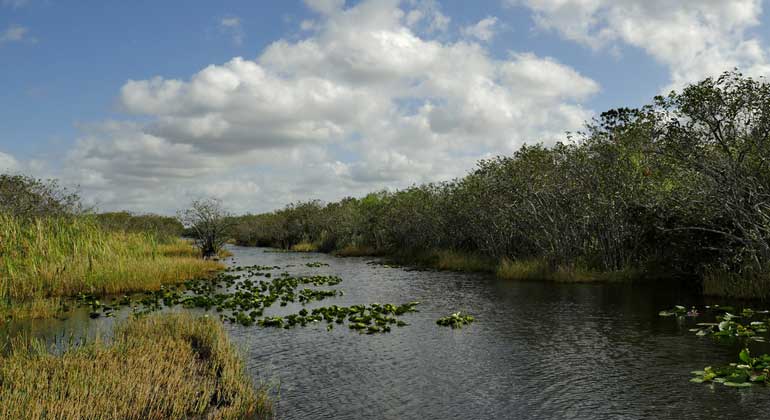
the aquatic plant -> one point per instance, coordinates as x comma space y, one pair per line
316, 264
455, 320
747, 372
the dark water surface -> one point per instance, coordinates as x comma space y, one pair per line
536, 351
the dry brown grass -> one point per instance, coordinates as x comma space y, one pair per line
304, 247
160, 367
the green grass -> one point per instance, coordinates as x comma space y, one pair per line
536, 269
44, 260
169, 366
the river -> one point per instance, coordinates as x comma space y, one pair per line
536, 351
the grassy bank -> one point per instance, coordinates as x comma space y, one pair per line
531, 269
47, 259
158, 367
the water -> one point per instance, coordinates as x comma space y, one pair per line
536, 351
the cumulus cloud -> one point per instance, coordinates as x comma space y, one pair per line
368, 99
484, 30
693, 38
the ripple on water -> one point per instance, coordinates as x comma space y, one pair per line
536, 351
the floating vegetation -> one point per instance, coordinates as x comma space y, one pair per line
726, 325
750, 371
368, 319
240, 298
316, 264
680, 311
456, 320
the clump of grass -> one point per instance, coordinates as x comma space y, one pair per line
538, 269
461, 261
746, 285
357, 251
444, 259
304, 247
57, 257
157, 367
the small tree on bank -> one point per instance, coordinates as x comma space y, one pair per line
210, 224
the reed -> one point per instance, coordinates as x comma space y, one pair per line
55, 257
538, 269
157, 367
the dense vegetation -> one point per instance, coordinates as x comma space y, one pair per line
166, 229
678, 188
50, 248
156, 367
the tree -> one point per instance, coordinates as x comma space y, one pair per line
718, 133
210, 223
28, 198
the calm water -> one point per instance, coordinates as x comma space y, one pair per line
536, 351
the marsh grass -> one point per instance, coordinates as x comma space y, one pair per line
537, 269
746, 285
157, 367
357, 251
304, 247
45, 259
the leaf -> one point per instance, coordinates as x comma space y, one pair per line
738, 385
744, 356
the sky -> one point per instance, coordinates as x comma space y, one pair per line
147, 105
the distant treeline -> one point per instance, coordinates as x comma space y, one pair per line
27, 198
677, 188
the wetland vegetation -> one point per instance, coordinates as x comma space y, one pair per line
690, 171
155, 367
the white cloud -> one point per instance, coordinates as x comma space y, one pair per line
693, 38
483, 30
8, 163
15, 33
232, 26
367, 100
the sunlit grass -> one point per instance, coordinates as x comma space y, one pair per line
50, 258
160, 367
304, 247
538, 269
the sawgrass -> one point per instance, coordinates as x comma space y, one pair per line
46, 259
170, 366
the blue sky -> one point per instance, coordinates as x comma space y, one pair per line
68, 110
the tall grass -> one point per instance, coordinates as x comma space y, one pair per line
538, 269
304, 247
159, 367
55, 257
746, 285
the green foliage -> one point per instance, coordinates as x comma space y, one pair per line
456, 320
681, 187
749, 371
26, 197
166, 229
